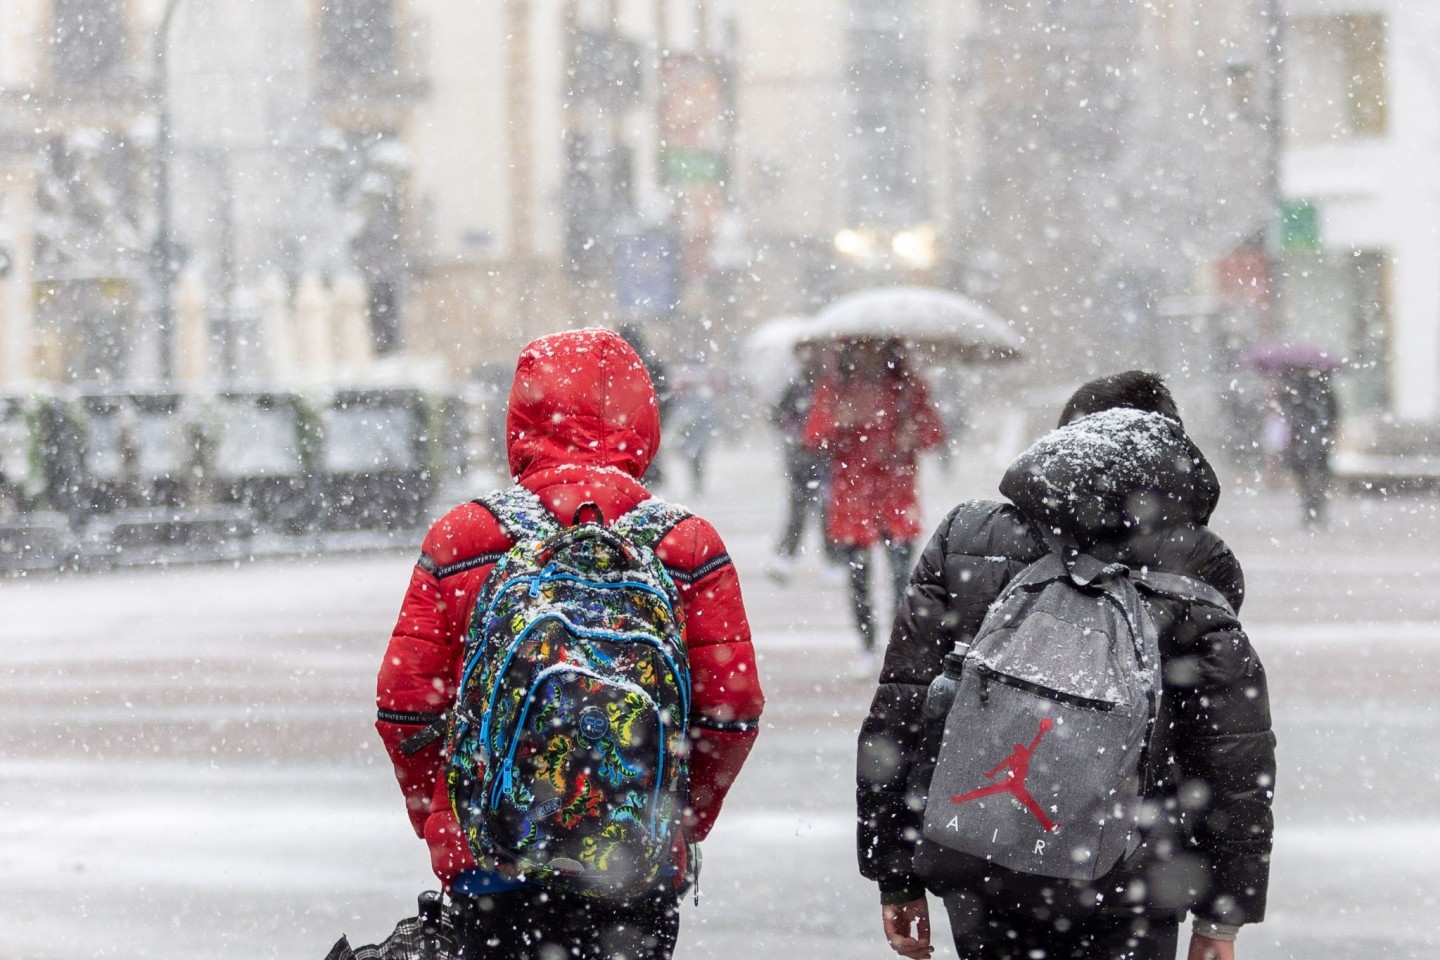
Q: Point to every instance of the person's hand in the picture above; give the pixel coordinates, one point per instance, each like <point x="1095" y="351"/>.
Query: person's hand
<point x="899" y="919"/>
<point x="1204" y="948"/>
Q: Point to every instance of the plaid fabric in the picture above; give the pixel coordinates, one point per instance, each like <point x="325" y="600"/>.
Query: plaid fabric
<point x="408" y="942"/>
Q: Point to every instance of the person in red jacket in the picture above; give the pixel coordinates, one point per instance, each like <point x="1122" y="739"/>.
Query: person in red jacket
<point x="873" y="416"/>
<point x="582" y="427"/>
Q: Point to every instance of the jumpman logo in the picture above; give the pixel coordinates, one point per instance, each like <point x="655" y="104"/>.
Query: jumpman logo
<point x="1017" y="768"/>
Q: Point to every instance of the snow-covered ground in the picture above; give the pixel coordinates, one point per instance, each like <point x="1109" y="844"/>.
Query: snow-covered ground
<point x="188" y="767"/>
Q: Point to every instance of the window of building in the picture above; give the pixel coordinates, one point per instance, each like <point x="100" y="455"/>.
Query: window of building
<point x="88" y="42"/>
<point x="1335" y="78"/>
<point x="1340" y="300"/>
<point x="384" y="297"/>
<point x="357" y="40"/>
<point x="886" y="71"/>
<point x="9" y="44"/>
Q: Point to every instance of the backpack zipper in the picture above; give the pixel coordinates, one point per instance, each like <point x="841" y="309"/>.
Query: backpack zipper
<point x="682" y="678"/>
<point x="989" y="673"/>
<point x="547" y="575"/>
<point x="507" y="771"/>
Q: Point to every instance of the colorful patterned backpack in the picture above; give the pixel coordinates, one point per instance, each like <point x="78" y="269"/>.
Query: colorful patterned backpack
<point x="566" y="749"/>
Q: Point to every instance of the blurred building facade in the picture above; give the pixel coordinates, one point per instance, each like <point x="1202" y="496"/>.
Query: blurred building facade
<point x="1116" y="149"/>
<point x="1362" y="98"/>
<point x="321" y="185"/>
<point x="187" y="186"/>
<point x="1071" y="165"/>
<point x="689" y="166"/>
<point x="574" y="162"/>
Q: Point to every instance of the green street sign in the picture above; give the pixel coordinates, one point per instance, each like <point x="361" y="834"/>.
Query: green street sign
<point x="1299" y="227"/>
<point x="679" y="165"/>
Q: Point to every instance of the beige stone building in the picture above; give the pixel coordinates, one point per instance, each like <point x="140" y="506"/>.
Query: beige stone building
<point x="686" y="165"/>
<point x="1074" y="170"/>
<point x="483" y="172"/>
<point x="177" y="173"/>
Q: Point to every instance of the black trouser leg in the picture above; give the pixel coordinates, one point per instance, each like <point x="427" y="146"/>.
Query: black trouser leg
<point x="901" y="555"/>
<point x="1048" y="934"/>
<point x="817" y="502"/>
<point x="534" y="924"/>
<point x="1313" y="482"/>
<point x="857" y="559"/>
<point x="697" y="473"/>
<point x="1127" y="938"/>
<point x="799" y="506"/>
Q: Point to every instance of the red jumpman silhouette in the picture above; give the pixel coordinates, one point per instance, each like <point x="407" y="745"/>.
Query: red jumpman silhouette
<point x="1017" y="768"/>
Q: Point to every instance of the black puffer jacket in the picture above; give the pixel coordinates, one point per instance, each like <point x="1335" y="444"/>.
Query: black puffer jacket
<point x="1129" y="487"/>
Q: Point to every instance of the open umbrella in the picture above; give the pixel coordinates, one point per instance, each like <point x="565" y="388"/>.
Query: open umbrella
<point x="932" y="321"/>
<point x="1277" y="356"/>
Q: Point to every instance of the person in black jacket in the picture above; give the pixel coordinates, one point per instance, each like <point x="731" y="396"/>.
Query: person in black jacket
<point x="1210" y="777"/>
<point x="1312" y="414"/>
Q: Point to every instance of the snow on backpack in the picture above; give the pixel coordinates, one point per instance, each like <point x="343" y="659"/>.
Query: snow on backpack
<point x="1041" y="766"/>
<point x="566" y="749"/>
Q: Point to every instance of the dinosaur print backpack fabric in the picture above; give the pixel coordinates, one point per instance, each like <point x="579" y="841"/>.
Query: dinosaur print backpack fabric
<point x="567" y="747"/>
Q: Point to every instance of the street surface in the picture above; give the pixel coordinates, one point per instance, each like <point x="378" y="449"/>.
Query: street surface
<point x="188" y="767"/>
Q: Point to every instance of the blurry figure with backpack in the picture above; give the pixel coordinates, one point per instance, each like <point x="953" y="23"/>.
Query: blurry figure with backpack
<point x="1070" y="743"/>
<point x="872" y="418"/>
<point x="807" y="470"/>
<point x="570" y="688"/>
<point x="1312" y="414"/>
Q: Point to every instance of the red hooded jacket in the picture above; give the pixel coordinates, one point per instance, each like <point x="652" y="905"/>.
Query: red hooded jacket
<point x="873" y="430"/>
<point x="583" y="425"/>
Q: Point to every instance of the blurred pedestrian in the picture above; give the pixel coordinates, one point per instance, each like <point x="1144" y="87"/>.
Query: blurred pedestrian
<point x="659" y="376"/>
<point x="951" y="402"/>
<point x="873" y="417"/>
<point x="1119" y="483"/>
<point x="582" y="426"/>
<point x="807" y="470"/>
<point x="1312" y="413"/>
<point x="693" y="419"/>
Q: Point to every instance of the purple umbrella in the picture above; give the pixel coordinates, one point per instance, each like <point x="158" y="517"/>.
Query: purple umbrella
<point x="1277" y="356"/>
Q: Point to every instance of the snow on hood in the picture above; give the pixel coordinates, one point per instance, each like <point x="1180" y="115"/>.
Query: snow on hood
<point x="1113" y="473"/>
<point x="581" y="397"/>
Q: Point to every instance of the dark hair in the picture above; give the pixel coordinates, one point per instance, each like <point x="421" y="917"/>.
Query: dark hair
<point x="1135" y="389"/>
<point x="897" y="364"/>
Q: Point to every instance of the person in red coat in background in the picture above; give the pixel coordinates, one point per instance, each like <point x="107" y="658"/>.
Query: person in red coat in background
<point x="873" y="416"/>
<point x="583" y="424"/>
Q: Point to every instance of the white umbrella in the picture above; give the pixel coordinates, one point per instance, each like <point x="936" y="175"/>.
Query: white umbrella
<point x="768" y="355"/>
<point x="930" y="320"/>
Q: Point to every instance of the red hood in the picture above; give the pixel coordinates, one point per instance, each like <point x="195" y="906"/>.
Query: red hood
<point x="581" y="397"/>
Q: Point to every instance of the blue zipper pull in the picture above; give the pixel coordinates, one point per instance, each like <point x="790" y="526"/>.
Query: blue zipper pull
<point x="547" y="574"/>
<point x="502" y="782"/>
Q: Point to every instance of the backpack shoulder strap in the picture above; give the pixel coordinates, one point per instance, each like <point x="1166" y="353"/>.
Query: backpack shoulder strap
<point x="520" y="513"/>
<point x="1182" y="587"/>
<point x="649" y="522"/>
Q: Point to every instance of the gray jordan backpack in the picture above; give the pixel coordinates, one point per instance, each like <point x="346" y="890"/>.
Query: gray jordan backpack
<point x="1042" y="761"/>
